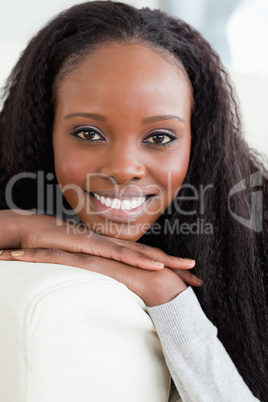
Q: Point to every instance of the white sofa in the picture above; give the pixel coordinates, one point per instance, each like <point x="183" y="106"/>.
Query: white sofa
<point x="70" y="335"/>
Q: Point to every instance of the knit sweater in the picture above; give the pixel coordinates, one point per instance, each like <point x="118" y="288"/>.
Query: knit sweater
<point x="200" y="366"/>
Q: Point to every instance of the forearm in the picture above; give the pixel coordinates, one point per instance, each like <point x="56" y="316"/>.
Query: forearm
<point x="26" y="229"/>
<point x="200" y="366"/>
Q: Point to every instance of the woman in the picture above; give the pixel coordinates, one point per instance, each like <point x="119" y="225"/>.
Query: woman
<point x="134" y="114"/>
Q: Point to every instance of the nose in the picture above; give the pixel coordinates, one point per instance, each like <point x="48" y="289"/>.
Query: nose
<point x="122" y="164"/>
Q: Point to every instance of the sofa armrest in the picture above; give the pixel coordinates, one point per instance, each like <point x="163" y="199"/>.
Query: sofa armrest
<point x="69" y="334"/>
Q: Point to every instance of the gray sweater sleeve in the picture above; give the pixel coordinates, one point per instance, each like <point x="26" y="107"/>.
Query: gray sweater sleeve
<point x="198" y="363"/>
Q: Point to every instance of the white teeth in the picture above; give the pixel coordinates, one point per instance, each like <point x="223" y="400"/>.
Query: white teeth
<point x="141" y="201"/>
<point x="115" y="203"/>
<point x="133" y="204"/>
<point x="108" y="202"/>
<point x="126" y="205"/>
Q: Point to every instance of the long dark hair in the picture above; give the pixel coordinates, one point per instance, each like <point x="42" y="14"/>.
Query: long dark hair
<point x="232" y="259"/>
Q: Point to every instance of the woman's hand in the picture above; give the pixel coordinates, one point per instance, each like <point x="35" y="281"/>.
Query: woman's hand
<point x="154" y="287"/>
<point x="22" y="229"/>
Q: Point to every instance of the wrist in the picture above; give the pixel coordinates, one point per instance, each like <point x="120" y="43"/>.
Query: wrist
<point x="163" y="287"/>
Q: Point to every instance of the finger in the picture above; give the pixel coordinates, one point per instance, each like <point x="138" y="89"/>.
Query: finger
<point x="189" y="278"/>
<point x="5" y="255"/>
<point x="89" y="242"/>
<point x="80" y="260"/>
<point x="138" y="255"/>
<point x="156" y="254"/>
<point x="129" y="252"/>
<point x="86" y="241"/>
<point x="50" y="255"/>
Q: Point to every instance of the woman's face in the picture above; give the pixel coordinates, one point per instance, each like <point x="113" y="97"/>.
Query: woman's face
<point x="122" y="138"/>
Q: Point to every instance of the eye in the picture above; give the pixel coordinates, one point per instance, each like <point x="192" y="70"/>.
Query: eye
<point x="160" y="138"/>
<point x="87" y="134"/>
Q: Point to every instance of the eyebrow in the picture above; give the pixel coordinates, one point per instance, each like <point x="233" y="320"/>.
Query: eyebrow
<point x="94" y="116"/>
<point x="146" y="120"/>
<point x="162" y="117"/>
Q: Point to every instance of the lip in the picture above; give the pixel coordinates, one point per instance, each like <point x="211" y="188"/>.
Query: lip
<point x="119" y="215"/>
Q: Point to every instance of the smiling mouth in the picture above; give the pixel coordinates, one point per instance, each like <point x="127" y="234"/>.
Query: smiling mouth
<point x="128" y="207"/>
<point x="126" y="204"/>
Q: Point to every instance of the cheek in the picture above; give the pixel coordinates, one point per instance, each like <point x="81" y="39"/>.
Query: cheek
<point x="71" y="164"/>
<point x="173" y="171"/>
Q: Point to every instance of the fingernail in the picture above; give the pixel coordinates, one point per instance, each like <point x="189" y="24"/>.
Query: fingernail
<point x="187" y="260"/>
<point x="1" y="251"/>
<point x="159" y="264"/>
<point x="197" y="279"/>
<point x="17" y="253"/>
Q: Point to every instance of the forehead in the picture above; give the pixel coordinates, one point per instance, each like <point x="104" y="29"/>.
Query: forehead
<point x="120" y="69"/>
